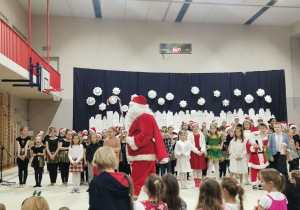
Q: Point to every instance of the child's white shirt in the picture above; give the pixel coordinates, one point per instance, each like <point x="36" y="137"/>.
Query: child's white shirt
<point x="75" y="152"/>
<point x="266" y="202"/>
<point x="138" y="205"/>
<point x="233" y="206"/>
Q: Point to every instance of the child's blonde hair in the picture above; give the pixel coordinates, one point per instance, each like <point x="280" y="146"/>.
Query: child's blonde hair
<point x="35" y="203"/>
<point x="272" y="175"/>
<point x="23" y="128"/>
<point x="2" y="206"/>
<point x="234" y="189"/>
<point x="52" y="129"/>
<point x="37" y="137"/>
<point x="90" y="137"/>
<point x="72" y="141"/>
<point x="210" y="195"/>
<point x="104" y="158"/>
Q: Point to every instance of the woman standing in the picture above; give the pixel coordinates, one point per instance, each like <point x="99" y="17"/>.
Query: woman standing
<point x="114" y="143"/>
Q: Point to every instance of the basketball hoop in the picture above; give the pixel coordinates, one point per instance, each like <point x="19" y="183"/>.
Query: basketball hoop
<point x="50" y="91"/>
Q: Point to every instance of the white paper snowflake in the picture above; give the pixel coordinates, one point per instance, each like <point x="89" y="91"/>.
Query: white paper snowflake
<point x="260" y="92"/>
<point x="113" y="100"/>
<point x="195" y="90"/>
<point x="90" y="101"/>
<point x="97" y="91"/>
<point x="116" y="91"/>
<point x="102" y="106"/>
<point x="161" y="101"/>
<point x="237" y="92"/>
<point x="152" y="94"/>
<point x="217" y="93"/>
<point x="124" y="108"/>
<point x="225" y="102"/>
<point x="183" y="104"/>
<point x="249" y="99"/>
<point x="134" y="95"/>
<point x="268" y="99"/>
<point x="169" y="96"/>
<point x="201" y="101"/>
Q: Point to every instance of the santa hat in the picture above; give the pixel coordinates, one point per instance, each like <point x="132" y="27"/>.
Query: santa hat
<point x="99" y="134"/>
<point x="174" y="135"/>
<point x="84" y="136"/>
<point x="247" y="119"/>
<point x="190" y="121"/>
<point x="254" y="131"/>
<point x="40" y="133"/>
<point x="292" y="125"/>
<point x="194" y="123"/>
<point x="227" y="128"/>
<point x="140" y="101"/>
<point x="224" y="120"/>
<point x="61" y="130"/>
<point x="84" y="131"/>
<point x="283" y="123"/>
<point x="204" y="123"/>
<point x="236" y="117"/>
<point x="260" y="118"/>
<point x="93" y="129"/>
<point x="214" y="122"/>
<point x="73" y="131"/>
<point x="183" y="122"/>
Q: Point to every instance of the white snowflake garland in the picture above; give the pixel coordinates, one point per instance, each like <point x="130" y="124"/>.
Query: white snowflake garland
<point x="217" y="93"/>
<point x="102" y="106"/>
<point x="260" y="92"/>
<point x="113" y="100"/>
<point x="225" y="102"/>
<point x="249" y="99"/>
<point x="169" y="96"/>
<point x="152" y="94"/>
<point x="116" y="91"/>
<point x="237" y="92"/>
<point x="97" y="91"/>
<point x="195" y="90"/>
<point x="268" y="99"/>
<point x="161" y="101"/>
<point x="124" y="108"/>
<point x="90" y="101"/>
<point x="183" y="104"/>
<point x="201" y="101"/>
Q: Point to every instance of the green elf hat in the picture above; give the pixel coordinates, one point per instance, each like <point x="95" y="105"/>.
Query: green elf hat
<point x="212" y="125"/>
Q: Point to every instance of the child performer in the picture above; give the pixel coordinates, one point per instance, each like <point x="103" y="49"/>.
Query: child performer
<point x="273" y="182"/>
<point x="23" y="155"/>
<point x="238" y="163"/>
<point x="183" y="154"/>
<point x="294" y="153"/>
<point x="247" y="135"/>
<point x="197" y="142"/>
<point x="114" y="143"/>
<point x="258" y="159"/>
<point x="205" y="132"/>
<point x="225" y="157"/>
<point x="52" y="155"/>
<point x="154" y="187"/>
<point x="230" y="189"/>
<point x="38" y="162"/>
<point x="214" y="143"/>
<point x="275" y="140"/>
<point x="90" y="151"/>
<point x="75" y="157"/>
<point x="108" y="190"/>
<point x="265" y="138"/>
<point x="64" y="163"/>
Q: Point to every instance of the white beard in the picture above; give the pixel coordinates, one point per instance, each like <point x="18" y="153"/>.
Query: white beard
<point x="134" y="112"/>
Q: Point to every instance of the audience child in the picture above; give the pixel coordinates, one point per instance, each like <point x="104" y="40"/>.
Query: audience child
<point x="64" y="162"/>
<point x="273" y="182"/>
<point x="210" y="196"/>
<point x="154" y="188"/>
<point x="109" y="190"/>
<point x="183" y="154"/>
<point x="114" y="143"/>
<point x="275" y="141"/>
<point x="292" y="187"/>
<point x="90" y="151"/>
<point x="23" y="155"/>
<point x="2" y="206"/>
<point x="230" y="189"/>
<point x="224" y="162"/>
<point x="171" y="193"/>
<point x="75" y="157"/>
<point x="198" y="148"/>
<point x="214" y="144"/>
<point x="238" y="162"/>
<point x="38" y="161"/>
<point x="35" y="203"/>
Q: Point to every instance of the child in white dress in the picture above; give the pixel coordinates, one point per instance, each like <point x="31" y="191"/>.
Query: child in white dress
<point x="238" y="163"/>
<point x="183" y="154"/>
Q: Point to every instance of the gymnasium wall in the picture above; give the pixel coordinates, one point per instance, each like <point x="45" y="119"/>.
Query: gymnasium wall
<point x="134" y="45"/>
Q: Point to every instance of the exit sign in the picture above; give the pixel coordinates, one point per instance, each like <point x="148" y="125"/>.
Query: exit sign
<point x="175" y="48"/>
<point x="45" y="48"/>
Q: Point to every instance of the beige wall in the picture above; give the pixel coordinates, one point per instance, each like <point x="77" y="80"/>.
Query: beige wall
<point x="15" y="14"/>
<point x="134" y="45"/>
<point x="295" y="29"/>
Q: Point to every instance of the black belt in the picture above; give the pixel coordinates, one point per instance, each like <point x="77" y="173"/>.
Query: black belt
<point x="254" y="153"/>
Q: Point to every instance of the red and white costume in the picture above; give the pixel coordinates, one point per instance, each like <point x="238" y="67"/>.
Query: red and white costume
<point x="145" y="145"/>
<point x="258" y="159"/>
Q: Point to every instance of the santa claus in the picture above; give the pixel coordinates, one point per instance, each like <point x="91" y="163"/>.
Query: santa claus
<point x="258" y="159"/>
<point x="145" y="145"/>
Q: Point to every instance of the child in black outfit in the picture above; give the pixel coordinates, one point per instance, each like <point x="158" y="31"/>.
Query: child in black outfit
<point x="38" y="162"/>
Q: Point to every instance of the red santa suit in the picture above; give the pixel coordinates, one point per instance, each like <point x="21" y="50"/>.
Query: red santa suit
<point x="145" y="145"/>
<point x="258" y="159"/>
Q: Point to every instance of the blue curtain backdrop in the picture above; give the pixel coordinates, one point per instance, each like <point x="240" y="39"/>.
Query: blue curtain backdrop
<point x="85" y="80"/>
